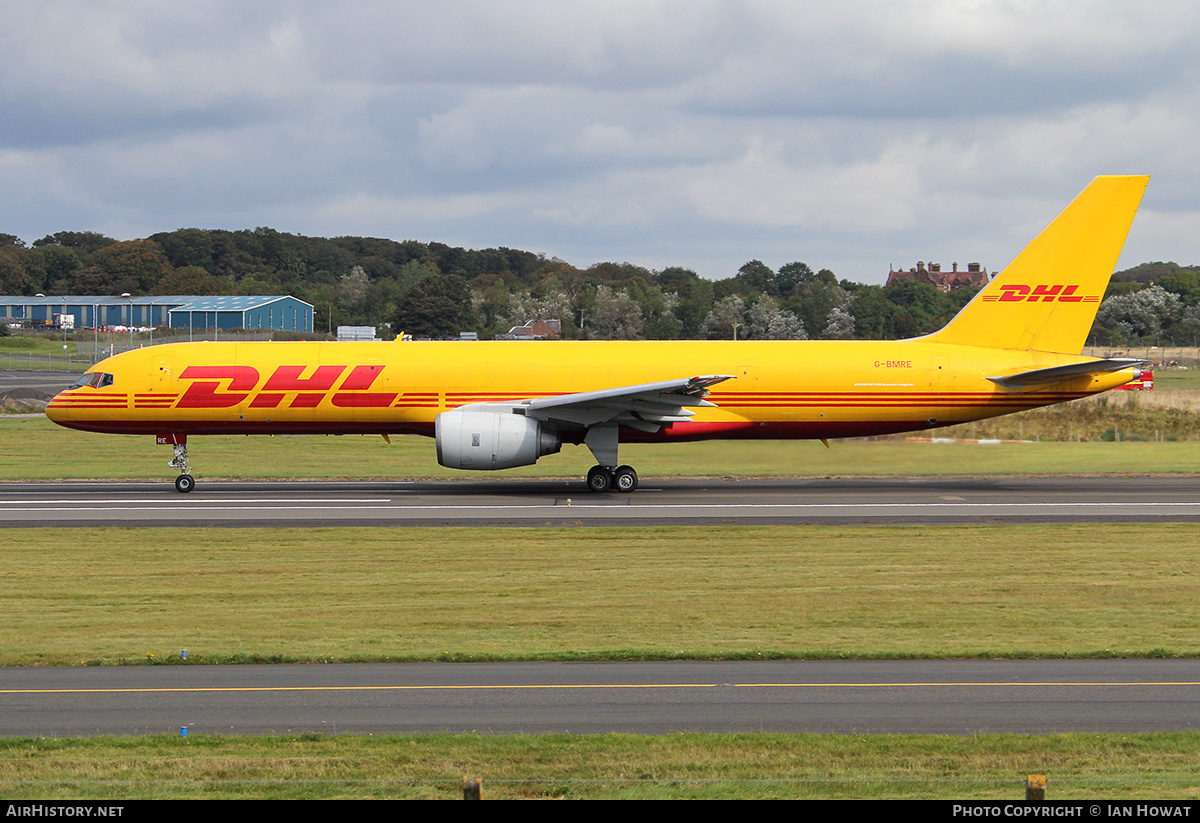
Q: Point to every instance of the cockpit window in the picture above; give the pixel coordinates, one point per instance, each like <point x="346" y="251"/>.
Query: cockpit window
<point x="95" y="379"/>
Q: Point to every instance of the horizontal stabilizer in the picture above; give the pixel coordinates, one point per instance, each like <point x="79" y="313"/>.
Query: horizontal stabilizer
<point x="1057" y="374"/>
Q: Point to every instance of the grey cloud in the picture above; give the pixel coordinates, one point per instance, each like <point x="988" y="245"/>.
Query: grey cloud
<point x="691" y="133"/>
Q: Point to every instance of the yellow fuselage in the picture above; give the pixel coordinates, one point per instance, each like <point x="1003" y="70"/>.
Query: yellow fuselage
<point x="782" y="389"/>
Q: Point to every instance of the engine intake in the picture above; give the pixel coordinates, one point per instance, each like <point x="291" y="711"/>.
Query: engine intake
<point x="491" y="439"/>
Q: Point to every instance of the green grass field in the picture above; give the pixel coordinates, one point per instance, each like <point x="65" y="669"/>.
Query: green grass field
<point x="578" y="767"/>
<point x="36" y="449"/>
<point x="140" y="595"/>
<point x="1177" y="379"/>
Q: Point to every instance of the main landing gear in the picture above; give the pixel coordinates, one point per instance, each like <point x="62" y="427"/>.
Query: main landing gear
<point x="605" y="479"/>
<point x="184" y="483"/>
<point x="602" y="442"/>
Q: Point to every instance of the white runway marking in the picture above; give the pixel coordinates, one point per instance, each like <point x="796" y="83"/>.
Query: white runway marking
<point x="257" y="505"/>
<point x="152" y="502"/>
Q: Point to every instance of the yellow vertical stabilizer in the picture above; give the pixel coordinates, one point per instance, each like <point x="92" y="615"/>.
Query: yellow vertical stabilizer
<point x="1046" y="300"/>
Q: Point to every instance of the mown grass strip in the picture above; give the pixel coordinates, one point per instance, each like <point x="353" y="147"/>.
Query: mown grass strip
<point x="36" y="449"/>
<point x="693" y="766"/>
<point x="128" y="595"/>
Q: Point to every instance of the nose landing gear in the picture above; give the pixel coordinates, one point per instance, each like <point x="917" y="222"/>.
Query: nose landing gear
<point x="184" y="483"/>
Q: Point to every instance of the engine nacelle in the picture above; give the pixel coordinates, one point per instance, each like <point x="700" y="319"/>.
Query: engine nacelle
<point x="473" y="438"/>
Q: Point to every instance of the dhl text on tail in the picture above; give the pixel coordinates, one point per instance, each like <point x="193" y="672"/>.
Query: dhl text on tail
<point x="496" y="405"/>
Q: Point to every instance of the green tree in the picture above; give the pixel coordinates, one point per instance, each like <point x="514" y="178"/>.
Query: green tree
<point x="352" y="292"/>
<point x="193" y="280"/>
<point x="133" y="266"/>
<point x="694" y="298"/>
<point x="85" y="243"/>
<point x="766" y="321"/>
<point x="615" y="316"/>
<point x="756" y="278"/>
<point x="872" y="313"/>
<point x="813" y="301"/>
<point x="922" y="304"/>
<point x="840" y="325"/>
<point x="438" y="306"/>
<point x="1185" y="283"/>
<point x="412" y="273"/>
<point x="793" y="276"/>
<point x="279" y="251"/>
<point x="726" y="320"/>
<point x="55" y="264"/>
<point x="382" y="301"/>
<point x="1135" y="317"/>
<point x="187" y="247"/>
<point x="14" y="279"/>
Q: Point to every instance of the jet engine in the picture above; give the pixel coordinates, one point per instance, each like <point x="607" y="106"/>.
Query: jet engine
<point x="474" y="438"/>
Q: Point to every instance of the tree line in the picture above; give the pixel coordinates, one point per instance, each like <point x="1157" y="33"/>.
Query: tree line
<point x="435" y="290"/>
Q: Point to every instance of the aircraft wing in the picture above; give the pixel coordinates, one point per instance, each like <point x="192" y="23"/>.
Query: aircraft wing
<point x="645" y="407"/>
<point x="1057" y="374"/>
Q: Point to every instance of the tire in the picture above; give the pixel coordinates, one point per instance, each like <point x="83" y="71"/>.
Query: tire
<point x="599" y="479"/>
<point x="184" y="483"/>
<point x="625" y="479"/>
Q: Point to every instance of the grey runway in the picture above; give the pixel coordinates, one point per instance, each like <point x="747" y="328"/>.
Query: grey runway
<point x="517" y="502"/>
<point x="944" y="697"/>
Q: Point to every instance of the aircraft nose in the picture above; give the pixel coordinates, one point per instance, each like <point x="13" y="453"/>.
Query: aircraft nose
<point x="55" y="409"/>
<point x="59" y="407"/>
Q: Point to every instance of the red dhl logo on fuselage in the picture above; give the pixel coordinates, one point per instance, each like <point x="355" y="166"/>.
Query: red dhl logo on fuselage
<point x="1017" y="293"/>
<point x="223" y="387"/>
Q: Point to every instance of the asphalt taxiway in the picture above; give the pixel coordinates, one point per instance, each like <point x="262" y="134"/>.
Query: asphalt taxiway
<point x="845" y="697"/>
<point x="34" y="386"/>
<point x="517" y="502"/>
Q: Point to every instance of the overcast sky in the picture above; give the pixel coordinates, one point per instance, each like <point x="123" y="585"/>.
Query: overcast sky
<point x="852" y="136"/>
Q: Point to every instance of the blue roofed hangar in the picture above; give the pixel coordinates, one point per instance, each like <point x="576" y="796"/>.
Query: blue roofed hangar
<point x="272" y="312"/>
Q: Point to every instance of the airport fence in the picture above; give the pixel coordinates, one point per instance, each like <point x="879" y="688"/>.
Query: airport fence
<point x="1160" y="356"/>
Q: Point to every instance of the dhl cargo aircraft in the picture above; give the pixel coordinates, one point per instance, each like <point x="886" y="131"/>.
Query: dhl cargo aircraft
<point x="496" y="405"/>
